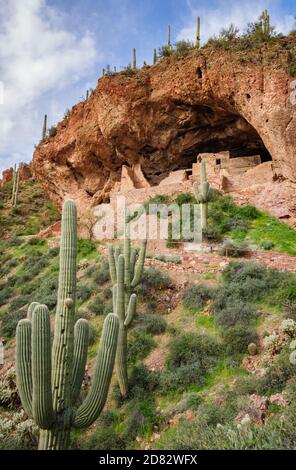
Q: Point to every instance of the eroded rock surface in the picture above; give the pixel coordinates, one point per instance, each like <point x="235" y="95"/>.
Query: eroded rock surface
<point x="164" y="116"/>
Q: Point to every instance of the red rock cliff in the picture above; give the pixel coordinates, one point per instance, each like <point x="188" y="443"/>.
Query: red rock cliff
<point x="164" y="115"/>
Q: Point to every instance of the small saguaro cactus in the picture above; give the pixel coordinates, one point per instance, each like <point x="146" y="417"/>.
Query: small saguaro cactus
<point x="265" y="20"/>
<point x="198" y="32"/>
<point x="134" y="59"/>
<point x="126" y="273"/>
<point x="49" y="379"/>
<point x="44" y="130"/>
<point x="203" y="196"/>
<point x="15" y="188"/>
<point x="169" y="37"/>
<point x="154" y="57"/>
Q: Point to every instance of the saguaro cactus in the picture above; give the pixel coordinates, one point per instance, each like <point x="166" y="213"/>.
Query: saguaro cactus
<point x="134" y="59"/>
<point x="265" y="20"/>
<point x="44" y="130"/>
<point x="48" y="380"/>
<point x="126" y="274"/>
<point x="203" y="196"/>
<point x="169" y="37"/>
<point x="198" y="32"/>
<point x="15" y="188"/>
<point x="154" y="57"/>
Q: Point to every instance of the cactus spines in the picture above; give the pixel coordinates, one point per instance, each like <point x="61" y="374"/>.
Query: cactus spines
<point x="154" y="57"/>
<point x="49" y="379"/>
<point x="198" y="32"/>
<point x="125" y="272"/>
<point x="203" y="196"/>
<point x="44" y="130"/>
<point x="134" y="59"/>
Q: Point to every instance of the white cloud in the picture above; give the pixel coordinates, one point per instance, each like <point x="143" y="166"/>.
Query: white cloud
<point x="240" y="13"/>
<point x="39" y="56"/>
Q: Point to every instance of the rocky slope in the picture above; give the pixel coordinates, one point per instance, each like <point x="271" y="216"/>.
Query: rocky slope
<point x="163" y="116"/>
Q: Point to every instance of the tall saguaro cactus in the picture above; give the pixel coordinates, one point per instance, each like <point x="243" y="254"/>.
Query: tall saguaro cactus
<point x="265" y="19"/>
<point x="203" y="196"/>
<point x="169" y="37"/>
<point x="154" y="57"/>
<point x="134" y="59"/>
<point x="15" y="188"/>
<point x="49" y="379"/>
<point x="44" y="130"/>
<point x="126" y="273"/>
<point x="198" y="32"/>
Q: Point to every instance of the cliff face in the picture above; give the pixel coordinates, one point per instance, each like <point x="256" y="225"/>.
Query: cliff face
<point x="163" y="116"/>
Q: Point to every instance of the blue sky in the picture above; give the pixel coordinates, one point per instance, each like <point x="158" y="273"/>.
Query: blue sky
<point x="55" y="50"/>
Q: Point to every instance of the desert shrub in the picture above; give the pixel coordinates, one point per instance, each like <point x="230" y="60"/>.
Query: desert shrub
<point x="53" y="252"/>
<point x="289" y="309"/>
<point x="86" y="248"/>
<point x="35" y="241"/>
<point x="18" y="432"/>
<point x="139" y="346"/>
<point x="19" y="302"/>
<point x="101" y="273"/>
<point x="238" y="338"/>
<point x="97" y="306"/>
<point x="52" y="131"/>
<point x="180" y="377"/>
<point x="15" y="241"/>
<point x="234" y="223"/>
<point x="150" y="323"/>
<point x="165" y="51"/>
<point x="153" y="278"/>
<point x="212" y="234"/>
<point x="190" y="357"/>
<point x="197" y="435"/>
<point x="292" y="69"/>
<point x="234" y="312"/>
<point x="5" y="294"/>
<point x="9" y="397"/>
<point x="277" y="375"/>
<point x="267" y="245"/>
<point x="189" y="401"/>
<point x="9" y="322"/>
<point x="92" y="335"/>
<point x="182" y="48"/>
<point x="104" y="437"/>
<point x="185" y="198"/>
<point x="196" y="296"/>
<point x="83" y="292"/>
<point x="234" y="249"/>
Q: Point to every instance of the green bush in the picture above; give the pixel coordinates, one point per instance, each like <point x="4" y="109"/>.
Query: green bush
<point x="238" y="338"/>
<point x="9" y="322"/>
<point x="86" y="248"/>
<point x="97" y="306"/>
<point x="92" y="335"/>
<point x="196" y="296"/>
<point x="212" y="234"/>
<point x="150" y="323"/>
<point x="189" y="348"/>
<point x="153" y="278"/>
<point x="139" y="346"/>
<point x="83" y="292"/>
<point x="234" y="313"/>
<point x="5" y="294"/>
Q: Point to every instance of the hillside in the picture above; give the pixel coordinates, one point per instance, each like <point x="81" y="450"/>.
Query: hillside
<point x="193" y="382"/>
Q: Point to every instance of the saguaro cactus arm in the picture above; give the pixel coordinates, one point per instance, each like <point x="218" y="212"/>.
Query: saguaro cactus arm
<point x="112" y="265"/>
<point x="31" y="309"/>
<point x="81" y="334"/>
<point x="140" y="265"/>
<point x="90" y="410"/>
<point x="131" y="310"/>
<point x="24" y="364"/>
<point x="41" y="368"/>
